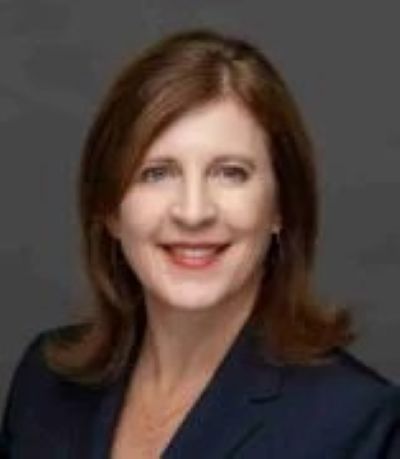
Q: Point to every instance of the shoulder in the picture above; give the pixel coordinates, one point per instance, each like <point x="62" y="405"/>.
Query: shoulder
<point x="342" y="380"/>
<point x="341" y="408"/>
<point x="33" y="382"/>
<point x="41" y="406"/>
<point x="32" y="362"/>
<point x="345" y="402"/>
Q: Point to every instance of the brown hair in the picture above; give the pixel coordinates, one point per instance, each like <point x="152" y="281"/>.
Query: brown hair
<point x="181" y="72"/>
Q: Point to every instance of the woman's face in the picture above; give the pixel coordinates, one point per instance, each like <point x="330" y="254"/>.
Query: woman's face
<point x="206" y="179"/>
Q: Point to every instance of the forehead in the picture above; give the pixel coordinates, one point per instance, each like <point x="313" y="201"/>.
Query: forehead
<point x="222" y="127"/>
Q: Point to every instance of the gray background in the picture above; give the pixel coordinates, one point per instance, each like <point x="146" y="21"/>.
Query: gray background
<point x="341" y="60"/>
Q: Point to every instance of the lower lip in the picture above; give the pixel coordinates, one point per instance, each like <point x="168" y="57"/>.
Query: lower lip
<point x="195" y="263"/>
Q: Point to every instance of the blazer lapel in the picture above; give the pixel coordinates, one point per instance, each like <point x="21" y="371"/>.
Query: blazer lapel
<point x="224" y="417"/>
<point x="93" y="435"/>
<point x="105" y="421"/>
<point x="228" y="412"/>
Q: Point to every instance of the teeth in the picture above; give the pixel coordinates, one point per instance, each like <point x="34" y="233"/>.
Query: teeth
<point x="192" y="252"/>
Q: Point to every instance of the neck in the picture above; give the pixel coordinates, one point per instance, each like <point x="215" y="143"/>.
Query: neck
<point x="183" y="348"/>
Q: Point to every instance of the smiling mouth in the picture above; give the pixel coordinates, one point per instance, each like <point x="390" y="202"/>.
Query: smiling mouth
<point x="194" y="258"/>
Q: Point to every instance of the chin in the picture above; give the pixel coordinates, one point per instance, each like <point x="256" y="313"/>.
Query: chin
<point x="191" y="301"/>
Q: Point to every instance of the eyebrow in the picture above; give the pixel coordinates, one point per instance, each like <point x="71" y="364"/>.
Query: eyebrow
<point x="165" y="159"/>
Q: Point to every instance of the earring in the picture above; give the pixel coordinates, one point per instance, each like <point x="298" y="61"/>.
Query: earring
<point x="276" y="237"/>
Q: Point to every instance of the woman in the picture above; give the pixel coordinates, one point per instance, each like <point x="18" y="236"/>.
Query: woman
<point x="198" y="206"/>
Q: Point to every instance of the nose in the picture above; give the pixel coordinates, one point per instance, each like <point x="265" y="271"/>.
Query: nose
<point x="193" y="205"/>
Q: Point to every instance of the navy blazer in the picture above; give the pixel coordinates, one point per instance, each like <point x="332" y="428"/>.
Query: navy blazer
<point x="251" y="409"/>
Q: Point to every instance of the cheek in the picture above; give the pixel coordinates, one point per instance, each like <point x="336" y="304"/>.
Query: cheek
<point x="251" y="218"/>
<point x="138" y="217"/>
<point x="138" y="225"/>
<point x="251" y="211"/>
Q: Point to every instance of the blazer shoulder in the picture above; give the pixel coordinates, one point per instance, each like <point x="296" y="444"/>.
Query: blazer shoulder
<point x="32" y="357"/>
<point x="343" y="380"/>
<point x="349" y="406"/>
<point x="31" y="374"/>
<point x="353" y="367"/>
<point x="37" y="397"/>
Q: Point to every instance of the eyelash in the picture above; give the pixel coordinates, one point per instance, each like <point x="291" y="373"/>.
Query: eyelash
<point x="238" y="172"/>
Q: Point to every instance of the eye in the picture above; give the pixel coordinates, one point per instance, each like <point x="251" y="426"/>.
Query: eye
<point x="152" y="174"/>
<point x="157" y="173"/>
<point x="236" y="173"/>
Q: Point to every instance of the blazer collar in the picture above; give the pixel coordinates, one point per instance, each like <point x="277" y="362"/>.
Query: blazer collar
<point x="225" y="415"/>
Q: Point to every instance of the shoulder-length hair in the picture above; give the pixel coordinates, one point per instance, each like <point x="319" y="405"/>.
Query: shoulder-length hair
<point x="178" y="73"/>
